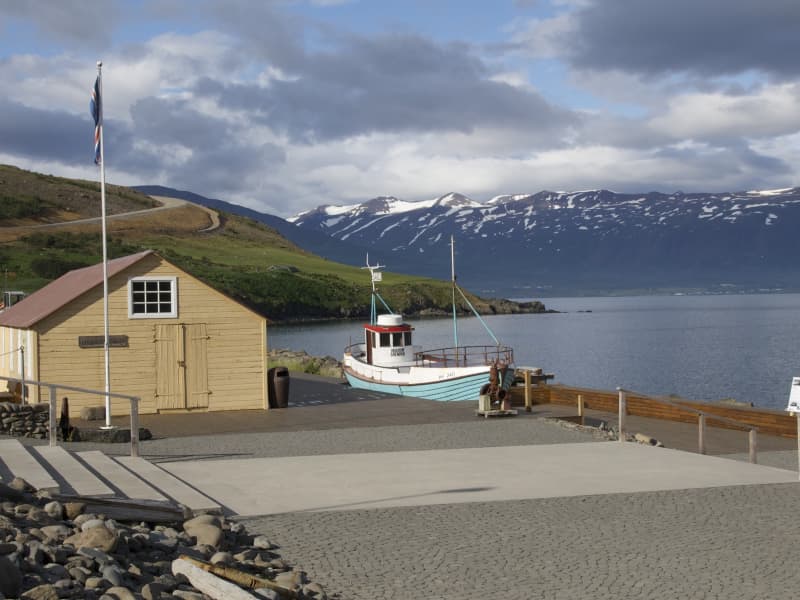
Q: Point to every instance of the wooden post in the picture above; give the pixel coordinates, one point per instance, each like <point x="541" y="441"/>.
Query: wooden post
<point x="134" y="427"/>
<point x="701" y="433"/>
<point x="623" y="409"/>
<point x="52" y="421"/>
<point x="528" y="399"/>
<point x="580" y="405"/>
<point x="753" y="446"/>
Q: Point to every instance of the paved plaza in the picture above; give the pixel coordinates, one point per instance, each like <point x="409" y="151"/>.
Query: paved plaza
<point x="387" y="498"/>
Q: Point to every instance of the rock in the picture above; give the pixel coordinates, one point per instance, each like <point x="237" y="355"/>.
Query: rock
<point x="120" y="593"/>
<point x="291" y="580"/>
<point x="82" y="518"/>
<point x="202" y="519"/>
<point x="10" y="578"/>
<point x="314" y="590"/>
<point x="56" y="532"/>
<point x="152" y="591"/>
<point x="8" y="548"/>
<point x="188" y="595"/>
<point x="41" y="592"/>
<point x="91" y="524"/>
<point x="53" y="572"/>
<point x="206" y="534"/>
<point x="10" y="493"/>
<point x="95" y="554"/>
<point x="113" y="574"/>
<point x="644" y="439"/>
<point x="54" y="509"/>
<point x="221" y="558"/>
<point x="267" y="593"/>
<point x="93" y="583"/>
<point x="73" y="509"/>
<point x="79" y="574"/>
<point x="97" y="537"/>
<point x="19" y="484"/>
<point x="262" y="543"/>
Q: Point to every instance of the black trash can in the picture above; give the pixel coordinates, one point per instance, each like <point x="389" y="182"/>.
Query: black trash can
<point x="278" y="387"/>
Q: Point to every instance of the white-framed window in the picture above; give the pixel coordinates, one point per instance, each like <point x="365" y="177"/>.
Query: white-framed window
<point x="152" y="297"/>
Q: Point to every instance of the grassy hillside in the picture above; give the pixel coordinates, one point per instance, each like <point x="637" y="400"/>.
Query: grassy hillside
<point x="240" y="257"/>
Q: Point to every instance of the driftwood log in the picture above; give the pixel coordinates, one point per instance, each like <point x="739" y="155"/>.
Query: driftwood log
<point x="239" y="577"/>
<point x="211" y="585"/>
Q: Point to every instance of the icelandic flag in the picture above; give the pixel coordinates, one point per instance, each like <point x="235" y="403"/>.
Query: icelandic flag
<point x="95" y="109"/>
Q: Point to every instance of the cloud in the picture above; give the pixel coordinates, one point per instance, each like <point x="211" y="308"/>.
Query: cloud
<point x="87" y="22"/>
<point x="37" y="133"/>
<point x="770" y="111"/>
<point x="397" y="83"/>
<point x="710" y="37"/>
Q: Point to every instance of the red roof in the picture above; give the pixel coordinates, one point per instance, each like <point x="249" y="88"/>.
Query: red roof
<point x="44" y="302"/>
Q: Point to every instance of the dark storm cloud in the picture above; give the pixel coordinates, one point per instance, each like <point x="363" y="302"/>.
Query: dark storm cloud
<point x="43" y="134"/>
<point x="175" y="122"/>
<point x="264" y="32"/>
<point x="707" y="37"/>
<point x="390" y="84"/>
<point x="88" y="22"/>
<point x="218" y="159"/>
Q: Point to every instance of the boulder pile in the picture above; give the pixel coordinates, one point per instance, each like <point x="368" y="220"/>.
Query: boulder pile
<point x="24" y="420"/>
<point x="51" y="549"/>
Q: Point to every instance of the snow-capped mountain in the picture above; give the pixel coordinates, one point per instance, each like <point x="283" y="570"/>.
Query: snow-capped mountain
<point x="581" y="241"/>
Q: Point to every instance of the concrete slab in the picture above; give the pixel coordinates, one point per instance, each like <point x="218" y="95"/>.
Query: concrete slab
<point x="75" y="475"/>
<point x="121" y="478"/>
<point x="21" y="463"/>
<point x="169" y="484"/>
<point x="262" y="486"/>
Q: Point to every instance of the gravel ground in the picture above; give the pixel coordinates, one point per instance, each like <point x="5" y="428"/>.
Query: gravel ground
<point x="479" y="433"/>
<point x="717" y="543"/>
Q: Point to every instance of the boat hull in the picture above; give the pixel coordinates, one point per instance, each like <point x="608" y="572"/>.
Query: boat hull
<point x="466" y="387"/>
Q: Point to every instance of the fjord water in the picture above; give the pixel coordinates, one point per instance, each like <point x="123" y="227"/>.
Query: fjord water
<point x="745" y="347"/>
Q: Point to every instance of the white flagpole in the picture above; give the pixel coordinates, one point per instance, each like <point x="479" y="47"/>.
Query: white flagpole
<point x="106" y="347"/>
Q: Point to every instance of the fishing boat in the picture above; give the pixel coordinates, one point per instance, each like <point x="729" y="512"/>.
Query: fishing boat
<point x="387" y="360"/>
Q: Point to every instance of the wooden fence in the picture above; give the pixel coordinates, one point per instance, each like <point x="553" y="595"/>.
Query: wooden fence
<point x="770" y="422"/>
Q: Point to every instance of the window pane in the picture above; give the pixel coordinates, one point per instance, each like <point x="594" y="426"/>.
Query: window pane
<point x="397" y="339"/>
<point x="384" y="340"/>
<point x="407" y="335"/>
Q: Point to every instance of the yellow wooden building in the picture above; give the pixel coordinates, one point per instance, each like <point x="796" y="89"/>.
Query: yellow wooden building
<point x="175" y="342"/>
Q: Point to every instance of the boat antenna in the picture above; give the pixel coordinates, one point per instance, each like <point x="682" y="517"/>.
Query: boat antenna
<point x="375" y="276"/>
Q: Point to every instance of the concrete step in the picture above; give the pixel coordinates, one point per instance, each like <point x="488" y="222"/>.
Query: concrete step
<point x="170" y="485"/>
<point x="73" y="476"/>
<point x="128" y="484"/>
<point x="19" y="462"/>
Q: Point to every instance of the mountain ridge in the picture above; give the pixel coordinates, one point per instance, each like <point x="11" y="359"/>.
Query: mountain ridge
<point x="593" y="240"/>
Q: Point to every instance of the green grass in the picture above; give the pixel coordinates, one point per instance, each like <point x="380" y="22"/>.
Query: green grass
<point x="238" y="258"/>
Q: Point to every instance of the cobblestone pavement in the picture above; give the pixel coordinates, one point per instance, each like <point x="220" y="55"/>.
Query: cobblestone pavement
<point x="718" y="543"/>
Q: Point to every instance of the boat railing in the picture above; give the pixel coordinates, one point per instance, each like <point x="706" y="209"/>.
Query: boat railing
<point x="464" y="356"/>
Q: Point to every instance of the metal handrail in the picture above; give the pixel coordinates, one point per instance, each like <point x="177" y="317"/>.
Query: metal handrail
<point x="701" y="421"/>
<point x="54" y="387"/>
<point x="463" y="354"/>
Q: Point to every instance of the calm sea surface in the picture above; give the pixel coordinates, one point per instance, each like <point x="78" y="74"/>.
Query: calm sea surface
<point x="698" y="347"/>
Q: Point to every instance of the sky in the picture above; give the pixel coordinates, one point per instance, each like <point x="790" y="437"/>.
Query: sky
<point x="285" y="105"/>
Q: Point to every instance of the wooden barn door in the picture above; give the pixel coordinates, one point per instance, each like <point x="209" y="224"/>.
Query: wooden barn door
<point x="196" y="361"/>
<point x="181" y="366"/>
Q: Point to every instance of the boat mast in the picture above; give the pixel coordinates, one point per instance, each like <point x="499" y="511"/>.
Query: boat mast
<point x="375" y="276"/>
<point x="453" y="279"/>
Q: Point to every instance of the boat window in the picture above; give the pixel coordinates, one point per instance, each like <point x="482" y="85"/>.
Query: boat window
<point x="397" y="339"/>
<point x="407" y="335"/>
<point x="384" y="340"/>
